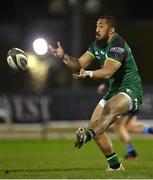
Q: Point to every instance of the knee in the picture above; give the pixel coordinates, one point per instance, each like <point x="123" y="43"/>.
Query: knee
<point x="115" y="126"/>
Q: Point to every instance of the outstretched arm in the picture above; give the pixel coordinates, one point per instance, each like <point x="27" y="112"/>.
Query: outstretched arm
<point x="72" y="62"/>
<point x="109" y="68"/>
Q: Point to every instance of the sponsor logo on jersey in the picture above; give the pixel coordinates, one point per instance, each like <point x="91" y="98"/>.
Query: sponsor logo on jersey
<point x="98" y="57"/>
<point x="117" y="50"/>
<point x="102" y="52"/>
<point x="97" y="54"/>
<point x="129" y="91"/>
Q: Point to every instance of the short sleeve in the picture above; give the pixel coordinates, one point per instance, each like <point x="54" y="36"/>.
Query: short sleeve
<point x="117" y="50"/>
<point x="116" y="53"/>
<point x="91" y="50"/>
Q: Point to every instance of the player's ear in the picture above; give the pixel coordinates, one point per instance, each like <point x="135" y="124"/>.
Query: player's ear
<point x="112" y="30"/>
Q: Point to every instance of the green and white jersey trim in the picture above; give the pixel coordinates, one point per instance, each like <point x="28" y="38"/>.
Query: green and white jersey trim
<point x="88" y="52"/>
<point x="112" y="59"/>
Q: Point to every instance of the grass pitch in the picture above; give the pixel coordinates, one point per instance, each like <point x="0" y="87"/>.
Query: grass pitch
<point x="58" y="160"/>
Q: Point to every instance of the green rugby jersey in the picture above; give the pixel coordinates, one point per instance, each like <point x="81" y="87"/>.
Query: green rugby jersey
<point x="118" y="50"/>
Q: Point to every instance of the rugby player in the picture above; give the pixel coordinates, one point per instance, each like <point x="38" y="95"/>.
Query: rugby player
<point x="119" y="68"/>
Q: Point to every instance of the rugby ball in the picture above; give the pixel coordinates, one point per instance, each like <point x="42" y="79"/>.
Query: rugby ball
<point x="17" y="59"/>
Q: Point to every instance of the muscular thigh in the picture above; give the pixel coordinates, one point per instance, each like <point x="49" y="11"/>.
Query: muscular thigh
<point x="117" y="105"/>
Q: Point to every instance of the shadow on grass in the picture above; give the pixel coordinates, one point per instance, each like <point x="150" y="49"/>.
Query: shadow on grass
<point x="6" y="171"/>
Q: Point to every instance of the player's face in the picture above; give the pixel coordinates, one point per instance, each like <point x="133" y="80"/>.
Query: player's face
<point x="102" y="29"/>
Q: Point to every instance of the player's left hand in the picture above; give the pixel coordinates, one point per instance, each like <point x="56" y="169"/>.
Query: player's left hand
<point x="82" y="74"/>
<point x="58" y="51"/>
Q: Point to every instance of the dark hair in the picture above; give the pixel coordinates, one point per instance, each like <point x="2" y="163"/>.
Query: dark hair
<point x="112" y="22"/>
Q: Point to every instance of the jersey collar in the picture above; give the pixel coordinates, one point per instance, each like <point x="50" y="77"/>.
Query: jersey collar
<point x="115" y="35"/>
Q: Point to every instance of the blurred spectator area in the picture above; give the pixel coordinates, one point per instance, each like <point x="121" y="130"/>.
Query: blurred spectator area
<point x="58" y="104"/>
<point x="72" y="22"/>
<point x="47" y="92"/>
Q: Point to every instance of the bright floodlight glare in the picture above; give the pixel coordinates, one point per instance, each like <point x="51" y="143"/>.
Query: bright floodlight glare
<point x="40" y="46"/>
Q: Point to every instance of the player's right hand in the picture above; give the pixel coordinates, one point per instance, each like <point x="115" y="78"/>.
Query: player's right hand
<point x="82" y="74"/>
<point x="57" y="52"/>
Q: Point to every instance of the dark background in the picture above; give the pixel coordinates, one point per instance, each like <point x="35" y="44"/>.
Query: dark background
<point x="72" y="22"/>
<point x="48" y="91"/>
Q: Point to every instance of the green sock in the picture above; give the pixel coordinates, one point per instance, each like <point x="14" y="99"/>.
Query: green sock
<point x="113" y="160"/>
<point x="90" y="134"/>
